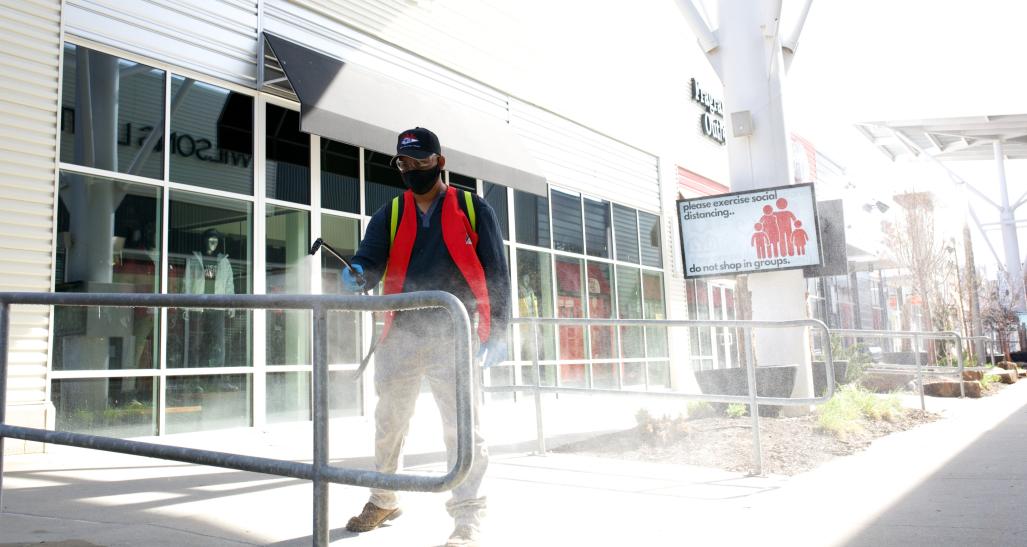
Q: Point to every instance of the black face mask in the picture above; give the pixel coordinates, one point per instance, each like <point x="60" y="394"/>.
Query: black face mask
<point x="421" y="182"/>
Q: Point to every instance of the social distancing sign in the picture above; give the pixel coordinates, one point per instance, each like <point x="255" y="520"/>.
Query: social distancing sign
<point x="764" y="230"/>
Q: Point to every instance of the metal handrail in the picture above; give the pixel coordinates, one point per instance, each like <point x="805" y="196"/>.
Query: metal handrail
<point x="752" y="399"/>
<point x="320" y="472"/>
<point x="919" y="367"/>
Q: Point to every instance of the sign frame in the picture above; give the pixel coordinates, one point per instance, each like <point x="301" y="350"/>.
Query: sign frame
<point x="697" y="275"/>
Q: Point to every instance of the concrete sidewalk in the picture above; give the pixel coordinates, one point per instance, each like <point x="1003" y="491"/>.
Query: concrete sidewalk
<point x="958" y="481"/>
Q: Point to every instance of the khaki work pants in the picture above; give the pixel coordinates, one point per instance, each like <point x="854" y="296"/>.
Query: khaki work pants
<point x="401" y="362"/>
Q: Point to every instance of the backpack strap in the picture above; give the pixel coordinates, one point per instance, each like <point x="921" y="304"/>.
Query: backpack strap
<point x="394" y="217"/>
<point x="469" y="200"/>
<point x="395" y="220"/>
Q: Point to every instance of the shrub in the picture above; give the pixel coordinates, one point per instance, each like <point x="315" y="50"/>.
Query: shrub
<point x="987" y="380"/>
<point x="858" y="356"/>
<point x="737" y="410"/>
<point x="701" y="409"/>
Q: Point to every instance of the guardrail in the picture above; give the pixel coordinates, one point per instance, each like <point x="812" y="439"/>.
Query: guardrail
<point x="319" y="471"/>
<point x="752" y="399"/>
<point x="919" y="367"/>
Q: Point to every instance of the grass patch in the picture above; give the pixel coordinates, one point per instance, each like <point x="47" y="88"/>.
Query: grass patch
<point x="852" y="406"/>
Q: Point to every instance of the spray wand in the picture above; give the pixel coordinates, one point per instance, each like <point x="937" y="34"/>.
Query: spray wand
<point x="361" y="280"/>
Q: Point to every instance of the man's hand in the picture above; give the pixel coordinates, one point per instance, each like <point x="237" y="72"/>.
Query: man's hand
<point x="349" y="281"/>
<point x="492" y="352"/>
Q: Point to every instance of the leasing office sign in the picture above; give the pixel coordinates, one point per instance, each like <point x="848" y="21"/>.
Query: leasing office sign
<point x="745" y="232"/>
<point x="712" y="121"/>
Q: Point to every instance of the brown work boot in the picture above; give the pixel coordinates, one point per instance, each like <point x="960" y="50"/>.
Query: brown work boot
<point x="465" y="535"/>
<point x="371" y="517"/>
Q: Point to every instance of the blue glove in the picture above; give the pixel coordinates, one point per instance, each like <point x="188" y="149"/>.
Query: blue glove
<point x="492" y="352"/>
<point x="349" y="281"/>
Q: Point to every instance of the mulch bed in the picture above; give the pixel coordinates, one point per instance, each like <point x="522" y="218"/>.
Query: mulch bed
<point x="790" y="445"/>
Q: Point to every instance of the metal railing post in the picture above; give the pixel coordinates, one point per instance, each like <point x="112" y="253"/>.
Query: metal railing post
<point x="959" y="357"/>
<point x="919" y="369"/>
<point x="754" y="407"/>
<point x="5" y="320"/>
<point x="538" y="390"/>
<point x="320" y="403"/>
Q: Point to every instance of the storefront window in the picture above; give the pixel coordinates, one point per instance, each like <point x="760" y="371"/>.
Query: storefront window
<point x="340" y="176"/>
<point x="625" y="229"/>
<point x="383" y="181"/>
<point x="112" y="113"/>
<point x="287" y="168"/>
<point x="570" y="302"/>
<point x="286" y="250"/>
<point x="535" y="299"/>
<point x="651" y="248"/>
<point x="495" y="196"/>
<point x="700" y="338"/>
<point x="203" y="403"/>
<point x="209" y="252"/>
<point x="655" y="337"/>
<point x="112" y="407"/>
<point x="603" y="338"/>
<point x="629" y="306"/>
<point x="653" y="308"/>
<point x="463" y="182"/>
<point x="211" y="136"/>
<point x="531" y="218"/>
<point x="598" y="230"/>
<point x="342" y="234"/>
<point x="567" y="225"/>
<point x="288" y="397"/>
<point x="108" y="240"/>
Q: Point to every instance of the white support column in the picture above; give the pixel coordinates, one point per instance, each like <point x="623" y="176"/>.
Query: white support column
<point x="750" y="62"/>
<point x="1010" y="242"/>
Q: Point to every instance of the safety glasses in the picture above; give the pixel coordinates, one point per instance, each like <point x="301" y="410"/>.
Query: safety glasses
<point x="406" y="163"/>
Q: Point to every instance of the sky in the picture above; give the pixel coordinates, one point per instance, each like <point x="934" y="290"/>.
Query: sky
<point x="857" y="61"/>
<point x="880" y="60"/>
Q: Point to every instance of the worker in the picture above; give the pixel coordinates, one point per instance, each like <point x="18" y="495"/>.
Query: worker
<point x="432" y="237"/>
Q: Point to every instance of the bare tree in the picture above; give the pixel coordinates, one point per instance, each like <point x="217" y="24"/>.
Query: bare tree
<point x="913" y="245"/>
<point x="997" y="312"/>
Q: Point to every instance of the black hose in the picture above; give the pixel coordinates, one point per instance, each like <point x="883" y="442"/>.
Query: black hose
<point x="359" y="278"/>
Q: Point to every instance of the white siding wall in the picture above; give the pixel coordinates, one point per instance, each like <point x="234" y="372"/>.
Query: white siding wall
<point x="570" y="155"/>
<point x="29" y="57"/>
<point x="218" y="38"/>
<point x="458" y="36"/>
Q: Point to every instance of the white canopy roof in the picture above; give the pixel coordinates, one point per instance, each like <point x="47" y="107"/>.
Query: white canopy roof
<point x="967" y="138"/>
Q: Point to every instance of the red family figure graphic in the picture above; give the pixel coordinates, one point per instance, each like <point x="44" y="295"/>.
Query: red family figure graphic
<point x="785" y="221"/>
<point x="769" y="223"/>
<point x="799" y="238"/>
<point x="760" y="241"/>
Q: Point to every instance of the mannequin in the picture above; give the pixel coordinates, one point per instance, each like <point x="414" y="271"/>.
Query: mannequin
<point x="208" y="272"/>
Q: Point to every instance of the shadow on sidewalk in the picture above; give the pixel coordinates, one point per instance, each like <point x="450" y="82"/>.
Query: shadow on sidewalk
<point x="977" y="498"/>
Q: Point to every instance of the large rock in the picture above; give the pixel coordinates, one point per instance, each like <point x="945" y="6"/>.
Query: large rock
<point x="973" y="375"/>
<point x="1007" y="365"/>
<point x="1005" y="376"/>
<point x="880" y="382"/>
<point x="950" y="388"/>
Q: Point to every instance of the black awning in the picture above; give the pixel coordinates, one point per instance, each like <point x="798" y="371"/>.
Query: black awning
<point x="350" y="104"/>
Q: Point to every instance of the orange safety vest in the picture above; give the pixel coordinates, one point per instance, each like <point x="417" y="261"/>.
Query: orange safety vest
<point x="461" y="239"/>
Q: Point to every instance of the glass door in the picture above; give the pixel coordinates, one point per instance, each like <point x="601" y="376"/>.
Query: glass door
<point x="727" y="340"/>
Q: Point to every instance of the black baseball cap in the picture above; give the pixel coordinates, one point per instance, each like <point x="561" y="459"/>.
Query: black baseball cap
<point x="417" y="143"/>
